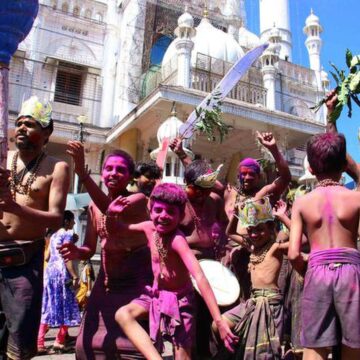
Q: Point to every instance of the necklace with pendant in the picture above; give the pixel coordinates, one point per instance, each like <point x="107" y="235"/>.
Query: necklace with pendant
<point x="16" y="182"/>
<point x="258" y="256"/>
<point x="162" y="251"/>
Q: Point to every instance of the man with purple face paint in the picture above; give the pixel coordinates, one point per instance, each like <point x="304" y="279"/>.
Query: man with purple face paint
<point x="249" y="175"/>
<point x="330" y="217"/>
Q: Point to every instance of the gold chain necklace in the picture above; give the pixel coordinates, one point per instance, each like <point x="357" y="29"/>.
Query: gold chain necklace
<point x="258" y="256"/>
<point x="16" y="185"/>
<point x="162" y="251"/>
<point x="327" y="182"/>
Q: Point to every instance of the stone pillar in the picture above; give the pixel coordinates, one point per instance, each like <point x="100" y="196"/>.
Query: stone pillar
<point x="110" y="55"/>
<point x="129" y="66"/>
<point x="184" y="47"/>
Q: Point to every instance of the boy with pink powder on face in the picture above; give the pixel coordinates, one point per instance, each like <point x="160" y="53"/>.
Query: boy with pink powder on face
<point x="170" y="301"/>
<point x="329" y="215"/>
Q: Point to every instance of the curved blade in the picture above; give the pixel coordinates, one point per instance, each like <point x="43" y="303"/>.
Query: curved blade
<point x="226" y="84"/>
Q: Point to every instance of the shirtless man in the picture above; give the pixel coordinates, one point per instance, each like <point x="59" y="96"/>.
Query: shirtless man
<point x="125" y="262"/>
<point x="34" y="201"/>
<point x="330" y="217"/>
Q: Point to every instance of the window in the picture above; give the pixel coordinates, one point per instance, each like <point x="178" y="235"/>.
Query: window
<point x="68" y="85"/>
<point x="76" y="11"/>
<point x="65" y="7"/>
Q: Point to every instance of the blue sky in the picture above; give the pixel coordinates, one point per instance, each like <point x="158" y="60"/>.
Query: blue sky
<point x="340" y="21"/>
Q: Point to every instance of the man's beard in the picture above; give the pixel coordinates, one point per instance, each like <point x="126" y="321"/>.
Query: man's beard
<point x="25" y="145"/>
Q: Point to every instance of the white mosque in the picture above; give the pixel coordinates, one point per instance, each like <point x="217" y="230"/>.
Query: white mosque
<point x="121" y="64"/>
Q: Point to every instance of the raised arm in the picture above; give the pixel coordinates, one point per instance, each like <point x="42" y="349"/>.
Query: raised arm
<point x="352" y="168"/>
<point x="233" y="235"/>
<point x="281" y="183"/>
<point x="182" y="248"/>
<point x="100" y="199"/>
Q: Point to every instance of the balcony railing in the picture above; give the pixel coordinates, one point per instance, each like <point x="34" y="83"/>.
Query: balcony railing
<point x="205" y="76"/>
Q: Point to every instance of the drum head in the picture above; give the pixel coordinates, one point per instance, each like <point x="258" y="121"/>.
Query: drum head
<point x="223" y="282"/>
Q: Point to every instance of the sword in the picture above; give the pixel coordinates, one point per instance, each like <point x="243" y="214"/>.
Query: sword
<point x="226" y="84"/>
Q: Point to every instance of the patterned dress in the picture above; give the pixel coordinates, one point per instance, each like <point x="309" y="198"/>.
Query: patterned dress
<point x="59" y="305"/>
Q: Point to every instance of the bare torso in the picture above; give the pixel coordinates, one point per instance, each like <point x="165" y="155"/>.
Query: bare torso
<point x="208" y="213"/>
<point x="266" y="274"/>
<point x="12" y="227"/>
<point x="331" y="215"/>
<point x="173" y="275"/>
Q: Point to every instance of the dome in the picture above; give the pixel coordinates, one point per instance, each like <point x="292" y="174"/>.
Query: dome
<point x="186" y="20"/>
<point x="324" y="76"/>
<point x="209" y="41"/>
<point x="312" y="20"/>
<point x="170" y="129"/>
<point x="248" y="39"/>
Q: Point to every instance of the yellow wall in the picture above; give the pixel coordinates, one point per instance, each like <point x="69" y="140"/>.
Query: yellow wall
<point x="128" y="142"/>
<point x="231" y="176"/>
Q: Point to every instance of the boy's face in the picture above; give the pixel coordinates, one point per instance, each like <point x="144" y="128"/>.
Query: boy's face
<point x="249" y="178"/>
<point x="115" y="173"/>
<point x="166" y="217"/>
<point x="260" y="234"/>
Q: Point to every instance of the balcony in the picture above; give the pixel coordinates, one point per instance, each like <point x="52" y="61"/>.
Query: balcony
<point x="205" y="76"/>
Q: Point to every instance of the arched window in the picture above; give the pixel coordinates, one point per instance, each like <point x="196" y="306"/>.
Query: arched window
<point x="158" y="49"/>
<point x="54" y="4"/>
<point x="65" y="7"/>
<point x="76" y="11"/>
<point x="88" y="13"/>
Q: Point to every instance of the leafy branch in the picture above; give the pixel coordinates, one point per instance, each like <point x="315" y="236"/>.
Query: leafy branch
<point x="210" y="121"/>
<point x="347" y="86"/>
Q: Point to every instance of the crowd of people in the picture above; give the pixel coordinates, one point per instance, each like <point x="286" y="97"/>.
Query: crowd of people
<point x="294" y="253"/>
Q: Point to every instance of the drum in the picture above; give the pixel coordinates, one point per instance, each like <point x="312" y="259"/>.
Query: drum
<point x="223" y="282"/>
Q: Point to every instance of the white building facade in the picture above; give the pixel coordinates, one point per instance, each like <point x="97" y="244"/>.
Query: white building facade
<point x="122" y="64"/>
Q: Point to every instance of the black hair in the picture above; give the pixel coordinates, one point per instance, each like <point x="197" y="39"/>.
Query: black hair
<point x="147" y="168"/>
<point x="129" y="160"/>
<point x="196" y="169"/>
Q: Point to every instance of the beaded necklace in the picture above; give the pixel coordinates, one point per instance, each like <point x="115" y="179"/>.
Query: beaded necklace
<point x="16" y="185"/>
<point x="258" y="256"/>
<point x="327" y="182"/>
<point x="162" y="251"/>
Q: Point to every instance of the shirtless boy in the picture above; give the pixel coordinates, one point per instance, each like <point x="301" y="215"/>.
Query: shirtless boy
<point x="170" y="301"/>
<point x="330" y="217"/>
<point x="258" y="322"/>
<point x="34" y="200"/>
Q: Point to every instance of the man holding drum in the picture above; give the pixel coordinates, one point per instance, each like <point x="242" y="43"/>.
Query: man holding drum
<point x="32" y="201"/>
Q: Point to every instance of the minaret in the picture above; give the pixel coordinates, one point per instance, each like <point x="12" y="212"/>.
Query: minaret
<point x="313" y="44"/>
<point x="233" y="13"/>
<point x="184" y="32"/>
<point x="276" y="11"/>
<point x="111" y="53"/>
<point x="269" y="60"/>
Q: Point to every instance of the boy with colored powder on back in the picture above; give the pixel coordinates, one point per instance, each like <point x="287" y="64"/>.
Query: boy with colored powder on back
<point x="330" y="217"/>
<point x="170" y="301"/>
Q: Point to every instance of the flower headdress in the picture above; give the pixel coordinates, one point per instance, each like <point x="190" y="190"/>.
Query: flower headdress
<point x="207" y="181"/>
<point x="38" y="111"/>
<point x="254" y="212"/>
